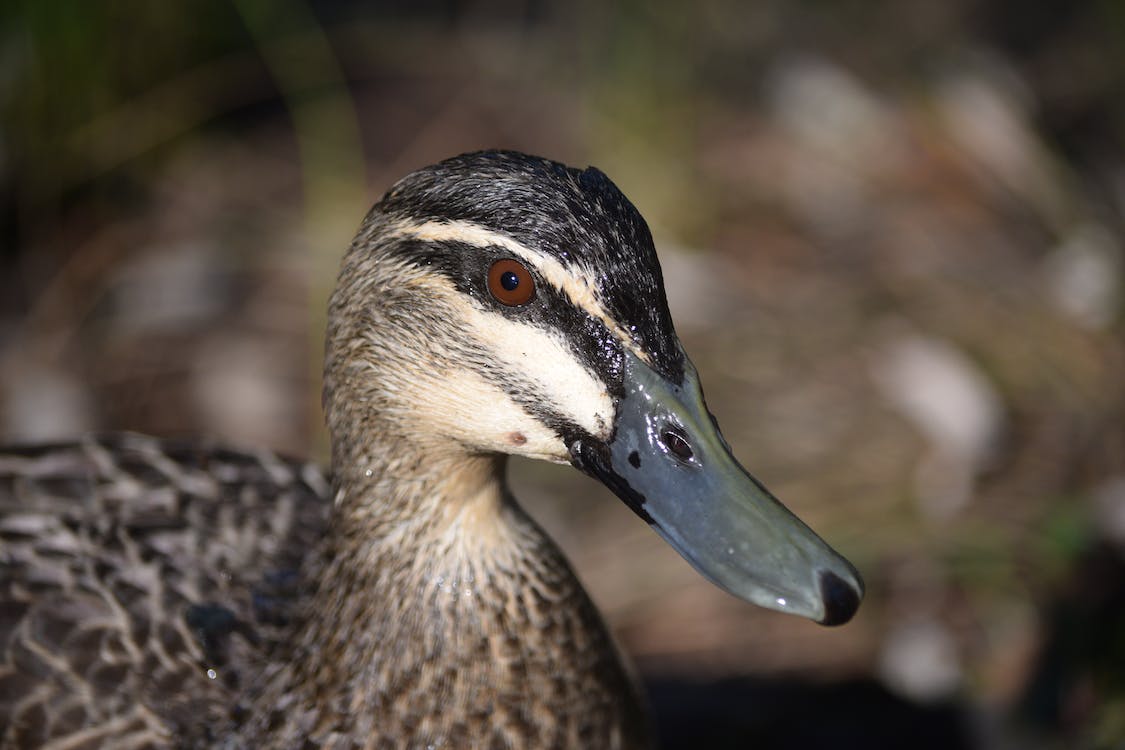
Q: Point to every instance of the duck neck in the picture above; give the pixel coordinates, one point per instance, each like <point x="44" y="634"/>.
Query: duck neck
<point x="443" y="615"/>
<point x="406" y="492"/>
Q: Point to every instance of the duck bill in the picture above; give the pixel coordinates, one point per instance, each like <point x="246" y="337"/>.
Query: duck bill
<point x="668" y="462"/>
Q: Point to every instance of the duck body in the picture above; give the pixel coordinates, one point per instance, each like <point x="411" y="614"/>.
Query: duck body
<point x="140" y="583"/>
<point x="492" y="304"/>
<point x="151" y="589"/>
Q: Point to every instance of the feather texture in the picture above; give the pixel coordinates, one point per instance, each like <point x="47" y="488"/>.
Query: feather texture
<point x="139" y="582"/>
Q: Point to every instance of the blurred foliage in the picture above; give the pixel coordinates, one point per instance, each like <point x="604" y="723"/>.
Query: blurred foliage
<point x="77" y="62"/>
<point x="93" y="87"/>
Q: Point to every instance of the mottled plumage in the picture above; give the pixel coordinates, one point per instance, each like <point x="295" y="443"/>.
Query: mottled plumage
<point x="161" y="595"/>
<point x="129" y="567"/>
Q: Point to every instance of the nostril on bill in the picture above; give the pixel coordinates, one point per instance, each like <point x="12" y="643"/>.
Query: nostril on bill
<point x="676" y="444"/>
<point x="841" y="600"/>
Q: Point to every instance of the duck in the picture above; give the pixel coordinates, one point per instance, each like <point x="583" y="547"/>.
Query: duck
<point x="157" y="593"/>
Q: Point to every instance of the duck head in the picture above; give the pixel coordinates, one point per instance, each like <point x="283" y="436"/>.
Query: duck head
<point x="502" y="303"/>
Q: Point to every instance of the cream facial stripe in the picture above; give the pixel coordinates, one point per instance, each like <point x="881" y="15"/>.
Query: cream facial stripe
<point x="534" y="353"/>
<point x="576" y="287"/>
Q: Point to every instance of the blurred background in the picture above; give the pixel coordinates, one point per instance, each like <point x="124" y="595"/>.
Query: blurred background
<point x="892" y="235"/>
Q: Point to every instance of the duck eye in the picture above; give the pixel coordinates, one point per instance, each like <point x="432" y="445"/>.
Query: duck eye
<point x="510" y="282"/>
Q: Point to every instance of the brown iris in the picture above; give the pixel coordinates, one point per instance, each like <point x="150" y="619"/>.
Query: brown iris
<point x="510" y="282"/>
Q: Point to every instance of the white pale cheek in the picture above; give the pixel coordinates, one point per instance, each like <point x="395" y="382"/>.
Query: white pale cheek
<point x="538" y="356"/>
<point x="467" y="408"/>
<point x="464" y="405"/>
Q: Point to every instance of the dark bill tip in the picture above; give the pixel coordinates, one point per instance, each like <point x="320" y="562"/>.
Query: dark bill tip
<point x="667" y="460"/>
<point x="841" y="600"/>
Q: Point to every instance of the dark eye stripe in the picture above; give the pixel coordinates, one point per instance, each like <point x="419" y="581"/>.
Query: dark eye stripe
<point x="551" y="309"/>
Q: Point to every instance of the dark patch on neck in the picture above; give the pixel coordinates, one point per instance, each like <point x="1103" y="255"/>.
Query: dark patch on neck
<point x="213" y="625"/>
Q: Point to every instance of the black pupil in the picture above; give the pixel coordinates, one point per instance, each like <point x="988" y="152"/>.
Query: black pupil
<point x="509" y="280"/>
